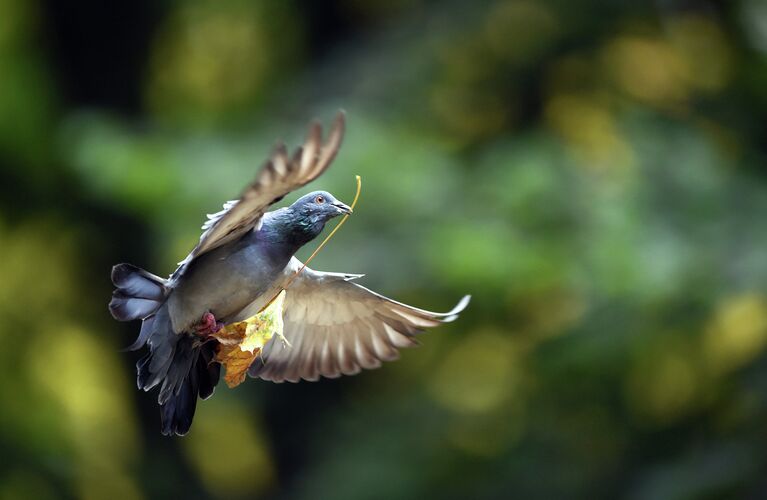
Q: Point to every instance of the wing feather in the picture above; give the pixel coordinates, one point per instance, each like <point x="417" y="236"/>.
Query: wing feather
<point x="280" y="175"/>
<point x="337" y="327"/>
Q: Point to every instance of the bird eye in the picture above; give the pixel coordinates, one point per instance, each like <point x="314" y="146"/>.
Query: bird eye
<point x="320" y="199"/>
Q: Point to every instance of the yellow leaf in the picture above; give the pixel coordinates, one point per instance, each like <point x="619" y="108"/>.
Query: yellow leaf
<point x="242" y="342"/>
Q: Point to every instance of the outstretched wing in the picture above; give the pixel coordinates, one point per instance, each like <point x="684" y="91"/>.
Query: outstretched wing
<point x="337" y="327"/>
<point x="279" y="176"/>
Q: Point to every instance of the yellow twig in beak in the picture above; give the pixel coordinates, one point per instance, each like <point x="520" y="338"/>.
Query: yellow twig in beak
<point x="317" y="250"/>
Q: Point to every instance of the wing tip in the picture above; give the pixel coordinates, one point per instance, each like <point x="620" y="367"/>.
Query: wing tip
<point x="340" y="118"/>
<point x="452" y="315"/>
<point x="121" y="271"/>
<point x="338" y="128"/>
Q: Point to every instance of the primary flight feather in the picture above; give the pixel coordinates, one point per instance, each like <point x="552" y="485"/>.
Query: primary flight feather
<point x="244" y="257"/>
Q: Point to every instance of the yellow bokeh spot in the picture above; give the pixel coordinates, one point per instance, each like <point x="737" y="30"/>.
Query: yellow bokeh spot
<point x="228" y="450"/>
<point x="209" y="61"/>
<point x="34" y="249"/>
<point x="548" y="312"/>
<point x="737" y="333"/>
<point x="82" y="376"/>
<point x="664" y="381"/>
<point x="487" y="436"/>
<point x="97" y="480"/>
<point x="468" y="112"/>
<point x="589" y="129"/>
<point x="705" y="51"/>
<point x="67" y="394"/>
<point x="478" y="376"/>
<point x="692" y="55"/>
<point x="648" y="69"/>
<point x="18" y="22"/>
<point x="518" y="30"/>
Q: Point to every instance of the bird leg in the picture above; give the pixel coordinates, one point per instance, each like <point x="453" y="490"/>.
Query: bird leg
<point x="208" y="325"/>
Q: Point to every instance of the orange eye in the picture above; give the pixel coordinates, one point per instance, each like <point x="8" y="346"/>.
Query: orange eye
<point x="320" y="199"/>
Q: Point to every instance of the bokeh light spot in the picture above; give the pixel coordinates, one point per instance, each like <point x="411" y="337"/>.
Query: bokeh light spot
<point x="737" y="333"/>
<point x="478" y="375"/>
<point x="228" y="450"/>
<point x="662" y="383"/>
<point x="648" y="69"/>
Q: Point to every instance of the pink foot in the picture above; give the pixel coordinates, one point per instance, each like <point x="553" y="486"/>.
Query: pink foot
<point x="208" y="325"/>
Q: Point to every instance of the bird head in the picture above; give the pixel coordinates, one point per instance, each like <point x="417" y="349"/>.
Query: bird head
<point x="312" y="211"/>
<point x="319" y="206"/>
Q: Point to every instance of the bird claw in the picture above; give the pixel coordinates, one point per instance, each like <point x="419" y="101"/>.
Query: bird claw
<point x="208" y="325"/>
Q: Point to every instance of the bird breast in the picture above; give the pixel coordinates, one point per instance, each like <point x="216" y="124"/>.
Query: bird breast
<point x="224" y="282"/>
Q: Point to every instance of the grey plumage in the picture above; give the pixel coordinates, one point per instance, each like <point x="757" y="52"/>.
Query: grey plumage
<point x="244" y="256"/>
<point x="138" y="293"/>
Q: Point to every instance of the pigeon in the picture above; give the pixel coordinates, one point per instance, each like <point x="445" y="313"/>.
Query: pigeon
<point x="333" y="326"/>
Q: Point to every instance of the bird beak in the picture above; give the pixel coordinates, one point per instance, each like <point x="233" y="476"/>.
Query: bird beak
<point x="343" y="208"/>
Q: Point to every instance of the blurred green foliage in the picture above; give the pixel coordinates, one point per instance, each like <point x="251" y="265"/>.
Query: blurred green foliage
<point x="592" y="172"/>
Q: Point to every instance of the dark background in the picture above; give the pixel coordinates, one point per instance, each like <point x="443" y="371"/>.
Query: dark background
<point x="592" y="172"/>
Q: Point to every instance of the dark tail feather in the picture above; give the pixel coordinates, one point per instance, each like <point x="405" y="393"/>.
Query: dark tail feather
<point x="177" y="412"/>
<point x="162" y="341"/>
<point x="208" y="371"/>
<point x="182" y="369"/>
<point x="146" y="329"/>
<point x="193" y="373"/>
<point x="138" y="294"/>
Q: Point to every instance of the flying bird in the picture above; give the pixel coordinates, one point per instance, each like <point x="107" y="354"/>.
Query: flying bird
<point x="244" y="257"/>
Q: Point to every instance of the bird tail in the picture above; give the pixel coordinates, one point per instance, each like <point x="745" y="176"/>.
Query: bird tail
<point x="138" y="294"/>
<point x="192" y="373"/>
<point x="182" y="367"/>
